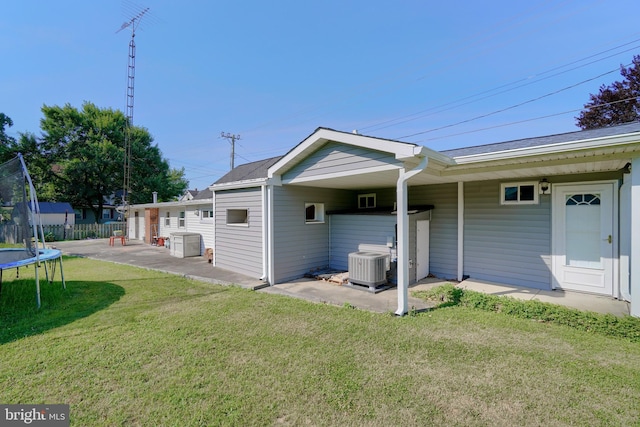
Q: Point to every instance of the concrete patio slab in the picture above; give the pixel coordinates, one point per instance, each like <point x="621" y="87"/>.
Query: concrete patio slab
<point x="140" y="254"/>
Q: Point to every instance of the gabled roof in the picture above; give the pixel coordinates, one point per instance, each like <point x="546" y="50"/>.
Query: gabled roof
<point x="603" y="149"/>
<point x="248" y="171"/>
<point x="55" y="207"/>
<point x="401" y="150"/>
<point x="544" y="140"/>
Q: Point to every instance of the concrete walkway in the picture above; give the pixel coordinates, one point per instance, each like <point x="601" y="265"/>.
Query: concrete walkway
<point x="142" y="255"/>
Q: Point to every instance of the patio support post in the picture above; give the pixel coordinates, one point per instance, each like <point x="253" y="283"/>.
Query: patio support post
<point x="265" y="235"/>
<point x="460" y="231"/>
<point x="270" y="243"/>
<point x="403" y="235"/>
<point x="634" y="261"/>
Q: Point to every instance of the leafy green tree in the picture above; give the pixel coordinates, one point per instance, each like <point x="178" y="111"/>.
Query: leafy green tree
<point x="616" y="103"/>
<point x="80" y="158"/>
<point x="7" y="143"/>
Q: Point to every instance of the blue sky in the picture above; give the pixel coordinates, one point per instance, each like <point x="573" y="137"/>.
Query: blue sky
<point x="445" y="75"/>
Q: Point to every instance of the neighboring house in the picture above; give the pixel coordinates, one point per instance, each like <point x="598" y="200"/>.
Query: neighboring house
<point x="188" y="195"/>
<point x="86" y="215"/>
<point x="109" y="211"/>
<point x="555" y="212"/>
<point x="56" y="213"/>
<point x="163" y="218"/>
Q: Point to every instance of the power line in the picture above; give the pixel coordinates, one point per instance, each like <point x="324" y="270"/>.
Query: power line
<point x="492" y="92"/>
<point x="528" y="120"/>
<point x="512" y="106"/>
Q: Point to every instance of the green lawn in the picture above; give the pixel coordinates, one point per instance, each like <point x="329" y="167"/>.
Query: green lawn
<point x="127" y="346"/>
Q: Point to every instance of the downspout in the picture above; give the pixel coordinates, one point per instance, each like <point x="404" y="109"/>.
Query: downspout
<point x="215" y="215"/>
<point x="265" y="229"/>
<point x="403" y="235"/>
<point x="270" y="234"/>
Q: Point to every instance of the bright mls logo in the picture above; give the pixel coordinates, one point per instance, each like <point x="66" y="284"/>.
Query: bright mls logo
<point x="34" y="415"/>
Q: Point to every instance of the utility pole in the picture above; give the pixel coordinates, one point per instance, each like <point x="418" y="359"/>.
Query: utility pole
<point x="233" y="139"/>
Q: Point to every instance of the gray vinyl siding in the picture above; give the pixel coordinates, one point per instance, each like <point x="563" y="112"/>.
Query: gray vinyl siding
<point x="336" y="158"/>
<point x="350" y="231"/>
<point x="300" y="247"/>
<point x="196" y="224"/>
<point x="506" y="243"/>
<point x="443" y="233"/>
<point x="237" y="247"/>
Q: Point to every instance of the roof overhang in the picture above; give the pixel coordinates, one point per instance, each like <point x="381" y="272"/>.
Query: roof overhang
<point x="408" y="155"/>
<point x="184" y="203"/>
<point x="238" y="184"/>
<point x="401" y="150"/>
<point x="584" y="156"/>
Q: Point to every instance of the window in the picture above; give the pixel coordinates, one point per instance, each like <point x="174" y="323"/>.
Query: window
<point x="523" y="193"/>
<point x="238" y="217"/>
<point x="106" y="214"/>
<point x="181" y="219"/>
<point x="314" y="213"/>
<point x="167" y="219"/>
<point x="206" y="214"/>
<point x="366" y="201"/>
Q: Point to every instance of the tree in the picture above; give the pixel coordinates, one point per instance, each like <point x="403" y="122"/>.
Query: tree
<point x="80" y="158"/>
<point x="616" y="103"/>
<point x="7" y="143"/>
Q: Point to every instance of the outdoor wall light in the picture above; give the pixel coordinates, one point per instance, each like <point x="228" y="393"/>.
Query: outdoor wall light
<point x="545" y="186"/>
<point x="196" y="212"/>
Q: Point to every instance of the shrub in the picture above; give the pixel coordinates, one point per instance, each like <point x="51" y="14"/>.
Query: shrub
<point x="626" y="327"/>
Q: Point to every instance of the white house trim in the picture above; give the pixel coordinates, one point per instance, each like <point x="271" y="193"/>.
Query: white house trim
<point x="587" y="144"/>
<point x="634" y="260"/>
<point x="401" y="150"/>
<point x="403" y="235"/>
<point x="460" y="230"/>
<point x="344" y="174"/>
<point x="238" y="184"/>
<point x="264" y="201"/>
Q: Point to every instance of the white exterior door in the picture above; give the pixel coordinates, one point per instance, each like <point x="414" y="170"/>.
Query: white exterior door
<point x="422" y="249"/>
<point x="583" y="237"/>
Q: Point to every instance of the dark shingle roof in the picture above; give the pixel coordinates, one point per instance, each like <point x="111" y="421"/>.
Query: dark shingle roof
<point x="54" y="207"/>
<point x="203" y="194"/>
<point x="545" y="140"/>
<point x="248" y="171"/>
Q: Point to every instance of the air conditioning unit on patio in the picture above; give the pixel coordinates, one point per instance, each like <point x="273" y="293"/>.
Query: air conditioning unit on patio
<point x="368" y="268"/>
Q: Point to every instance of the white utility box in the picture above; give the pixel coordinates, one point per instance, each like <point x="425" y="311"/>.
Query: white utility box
<point x="185" y="244"/>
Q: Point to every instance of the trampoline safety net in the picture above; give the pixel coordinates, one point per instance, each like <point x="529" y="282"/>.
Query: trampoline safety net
<point x="16" y="207"/>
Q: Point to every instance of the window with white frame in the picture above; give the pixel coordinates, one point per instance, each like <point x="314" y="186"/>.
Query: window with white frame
<point x="238" y="217"/>
<point x="181" y="219"/>
<point x="206" y="214"/>
<point x="519" y="193"/>
<point x="314" y="213"/>
<point x="167" y="219"/>
<point x="366" y="201"/>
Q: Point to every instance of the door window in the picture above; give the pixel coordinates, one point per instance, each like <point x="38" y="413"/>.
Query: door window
<point x="583" y="230"/>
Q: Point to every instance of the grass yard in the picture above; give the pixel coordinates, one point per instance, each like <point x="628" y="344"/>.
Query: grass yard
<point x="127" y="346"/>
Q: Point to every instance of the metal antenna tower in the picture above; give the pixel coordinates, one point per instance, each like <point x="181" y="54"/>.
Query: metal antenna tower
<point x="131" y="74"/>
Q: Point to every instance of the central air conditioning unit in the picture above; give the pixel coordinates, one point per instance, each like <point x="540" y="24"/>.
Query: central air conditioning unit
<point x="368" y="268"/>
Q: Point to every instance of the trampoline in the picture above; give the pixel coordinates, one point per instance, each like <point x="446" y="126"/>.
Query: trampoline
<point x="21" y="233"/>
